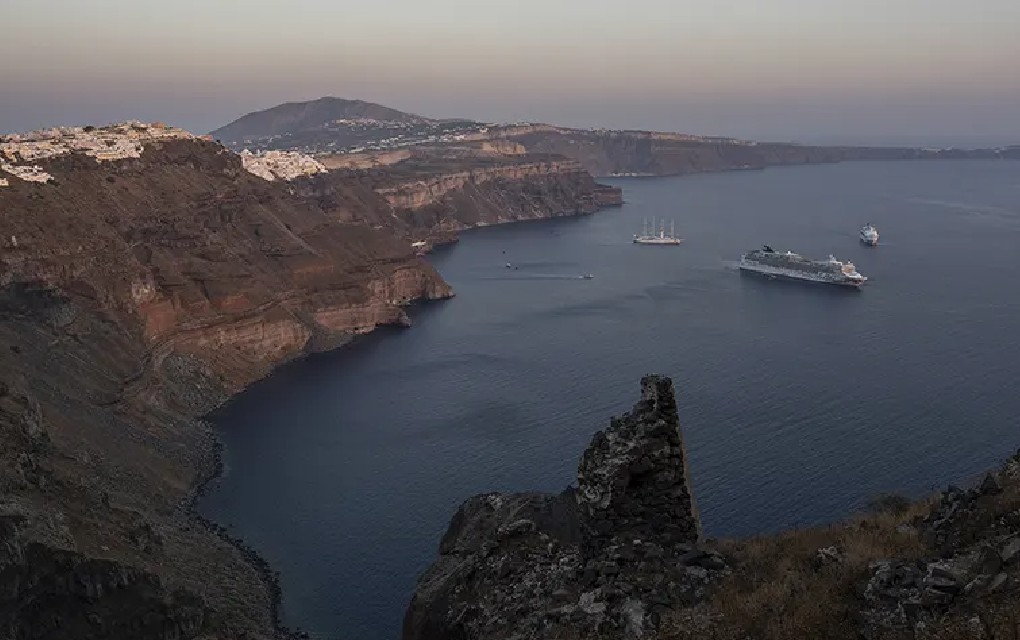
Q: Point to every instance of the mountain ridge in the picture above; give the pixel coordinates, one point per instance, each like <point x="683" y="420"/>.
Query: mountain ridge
<point x="296" y="116"/>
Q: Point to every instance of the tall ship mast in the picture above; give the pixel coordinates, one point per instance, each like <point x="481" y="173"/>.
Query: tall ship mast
<point x="660" y="238"/>
<point x="791" y="266"/>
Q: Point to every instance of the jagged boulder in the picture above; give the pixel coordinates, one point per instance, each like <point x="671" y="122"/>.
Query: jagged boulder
<point x="610" y="557"/>
<point x="632" y="480"/>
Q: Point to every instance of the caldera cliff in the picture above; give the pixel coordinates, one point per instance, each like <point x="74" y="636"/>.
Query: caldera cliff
<point x="437" y="193"/>
<point x="139" y="293"/>
<point x="651" y="153"/>
<point x="621" y="555"/>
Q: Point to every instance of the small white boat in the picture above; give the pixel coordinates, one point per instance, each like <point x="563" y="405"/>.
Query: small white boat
<point x="869" y="235"/>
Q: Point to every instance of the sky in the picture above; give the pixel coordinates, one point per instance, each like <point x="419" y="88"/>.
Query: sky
<point x="809" y="70"/>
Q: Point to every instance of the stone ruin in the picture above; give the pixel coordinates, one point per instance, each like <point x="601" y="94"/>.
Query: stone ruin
<point x="607" y="558"/>
<point x="633" y="477"/>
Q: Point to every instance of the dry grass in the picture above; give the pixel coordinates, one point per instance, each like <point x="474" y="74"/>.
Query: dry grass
<point x="779" y="592"/>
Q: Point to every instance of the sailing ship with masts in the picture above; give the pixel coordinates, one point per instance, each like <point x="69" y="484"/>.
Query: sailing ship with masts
<point x="658" y="238"/>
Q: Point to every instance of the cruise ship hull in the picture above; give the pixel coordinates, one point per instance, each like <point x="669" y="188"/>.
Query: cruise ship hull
<point x="659" y="241"/>
<point x="774" y="273"/>
<point x="871" y="242"/>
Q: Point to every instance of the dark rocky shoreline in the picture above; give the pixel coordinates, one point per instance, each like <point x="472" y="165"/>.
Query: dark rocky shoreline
<point x="269" y="576"/>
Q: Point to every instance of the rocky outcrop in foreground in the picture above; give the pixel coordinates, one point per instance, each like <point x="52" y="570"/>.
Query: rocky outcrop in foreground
<point x="610" y="556"/>
<point x="620" y="556"/>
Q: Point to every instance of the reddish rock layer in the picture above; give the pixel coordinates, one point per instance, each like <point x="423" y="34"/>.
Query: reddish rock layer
<point x="135" y="295"/>
<point x="138" y="294"/>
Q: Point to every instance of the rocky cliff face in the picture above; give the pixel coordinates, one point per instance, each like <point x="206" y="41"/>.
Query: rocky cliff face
<point x="204" y="254"/>
<point x="654" y="154"/>
<point x="438" y="196"/>
<point x="620" y="556"/>
<point x="606" y="558"/>
<point x="134" y="296"/>
<point x="138" y="294"/>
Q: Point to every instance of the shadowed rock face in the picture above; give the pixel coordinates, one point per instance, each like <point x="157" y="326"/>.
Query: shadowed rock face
<point x="632" y="481"/>
<point x="620" y="557"/>
<point x="607" y="557"/>
<point x="138" y="294"/>
<point x="134" y="296"/>
<point x="62" y="594"/>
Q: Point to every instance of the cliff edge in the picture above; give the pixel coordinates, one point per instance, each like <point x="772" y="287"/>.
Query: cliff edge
<point x="135" y="295"/>
<point x="606" y="557"/>
<point x="622" y="556"/>
<point x="138" y="291"/>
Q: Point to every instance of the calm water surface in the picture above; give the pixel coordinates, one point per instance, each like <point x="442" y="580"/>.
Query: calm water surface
<point x="799" y="403"/>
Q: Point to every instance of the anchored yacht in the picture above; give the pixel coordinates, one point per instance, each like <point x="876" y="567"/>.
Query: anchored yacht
<point x="660" y="238"/>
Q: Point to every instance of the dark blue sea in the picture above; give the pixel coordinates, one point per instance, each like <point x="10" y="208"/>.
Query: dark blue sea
<point x="799" y="403"/>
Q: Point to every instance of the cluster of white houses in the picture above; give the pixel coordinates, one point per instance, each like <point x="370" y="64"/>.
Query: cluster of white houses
<point x="20" y="152"/>
<point x="27" y="172"/>
<point x="282" y="165"/>
<point x="113" y="142"/>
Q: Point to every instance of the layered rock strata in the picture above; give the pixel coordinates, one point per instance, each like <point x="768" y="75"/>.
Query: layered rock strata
<point x="647" y="153"/>
<point x="135" y="295"/>
<point x="439" y="196"/>
<point x="139" y="293"/>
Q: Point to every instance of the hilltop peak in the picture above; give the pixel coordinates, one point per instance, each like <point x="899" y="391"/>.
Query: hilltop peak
<point x="311" y="115"/>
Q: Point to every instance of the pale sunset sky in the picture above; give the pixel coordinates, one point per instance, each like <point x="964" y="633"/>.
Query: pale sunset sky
<point x="863" y="71"/>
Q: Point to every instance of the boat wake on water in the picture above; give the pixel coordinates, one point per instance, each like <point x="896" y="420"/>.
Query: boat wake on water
<point x="524" y="275"/>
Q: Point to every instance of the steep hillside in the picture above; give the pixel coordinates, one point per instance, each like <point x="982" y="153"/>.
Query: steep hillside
<point x="295" y="117"/>
<point x="432" y="198"/>
<point x="139" y="293"/>
<point x="134" y="296"/>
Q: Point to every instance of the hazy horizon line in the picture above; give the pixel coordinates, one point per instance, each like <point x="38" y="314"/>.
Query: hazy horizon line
<point x="942" y="138"/>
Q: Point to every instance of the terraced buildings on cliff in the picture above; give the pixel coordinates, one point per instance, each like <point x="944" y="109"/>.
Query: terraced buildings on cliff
<point x="112" y="142"/>
<point x="283" y="165"/>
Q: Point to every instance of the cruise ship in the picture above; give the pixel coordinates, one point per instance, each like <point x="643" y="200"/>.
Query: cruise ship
<point x="869" y="235"/>
<point x="661" y="238"/>
<point x="791" y="266"/>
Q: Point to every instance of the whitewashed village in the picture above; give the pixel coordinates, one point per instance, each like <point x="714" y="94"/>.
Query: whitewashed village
<point x="19" y="153"/>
